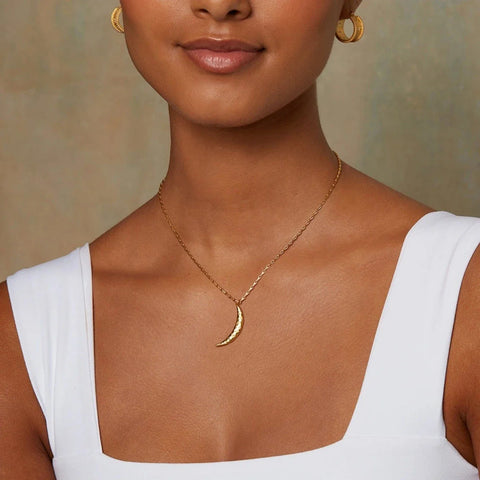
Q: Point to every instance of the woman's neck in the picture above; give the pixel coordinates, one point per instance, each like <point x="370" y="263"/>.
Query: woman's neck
<point x="225" y="185"/>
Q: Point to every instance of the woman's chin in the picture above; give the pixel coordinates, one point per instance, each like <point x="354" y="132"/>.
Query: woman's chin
<point x="219" y="117"/>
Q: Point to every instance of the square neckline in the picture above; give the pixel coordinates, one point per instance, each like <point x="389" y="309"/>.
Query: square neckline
<point x="87" y="282"/>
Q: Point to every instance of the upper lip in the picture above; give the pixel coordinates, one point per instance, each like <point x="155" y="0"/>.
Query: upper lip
<point x="221" y="45"/>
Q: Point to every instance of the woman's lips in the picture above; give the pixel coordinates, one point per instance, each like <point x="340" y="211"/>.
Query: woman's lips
<point x="221" y="61"/>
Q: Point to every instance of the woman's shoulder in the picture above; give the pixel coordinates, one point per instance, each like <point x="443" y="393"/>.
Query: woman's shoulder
<point x="462" y="388"/>
<point x="50" y="268"/>
<point x="377" y="214"/>
<point x="23" y="427"/>
<point x="452" y="238"/>
<point x="141" y="242"/>
<point x="27" y="300"/>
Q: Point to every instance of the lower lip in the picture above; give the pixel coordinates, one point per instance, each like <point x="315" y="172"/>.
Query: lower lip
<point x="221" y="62"/>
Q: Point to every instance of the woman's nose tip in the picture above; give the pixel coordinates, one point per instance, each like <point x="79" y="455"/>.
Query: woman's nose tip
<point x="221" y="10"/>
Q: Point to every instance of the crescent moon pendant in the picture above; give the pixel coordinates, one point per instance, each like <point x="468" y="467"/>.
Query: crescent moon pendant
<point x="236" y="330"/>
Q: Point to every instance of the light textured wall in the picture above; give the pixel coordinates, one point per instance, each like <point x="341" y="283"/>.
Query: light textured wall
<point x="404" y="103"/>
<point x="84" y="140"/>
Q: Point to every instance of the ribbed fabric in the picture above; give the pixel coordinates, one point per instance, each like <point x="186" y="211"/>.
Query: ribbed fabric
<point x="396" y="432"/>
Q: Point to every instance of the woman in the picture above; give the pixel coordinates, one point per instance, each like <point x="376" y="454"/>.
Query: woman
<point x="158" y="351"/>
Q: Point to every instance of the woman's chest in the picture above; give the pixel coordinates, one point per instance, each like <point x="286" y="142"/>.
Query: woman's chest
<point x="288" y="383"/>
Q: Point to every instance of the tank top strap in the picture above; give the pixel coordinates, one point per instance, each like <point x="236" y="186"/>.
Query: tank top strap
<point x="402" y="394"/>
<point x="48" y="303"/>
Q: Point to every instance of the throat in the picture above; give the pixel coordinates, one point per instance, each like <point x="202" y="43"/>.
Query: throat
<point x="217" y="212"/>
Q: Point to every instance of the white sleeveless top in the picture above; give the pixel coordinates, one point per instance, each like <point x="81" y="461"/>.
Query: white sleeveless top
<point x="397" y="430"/>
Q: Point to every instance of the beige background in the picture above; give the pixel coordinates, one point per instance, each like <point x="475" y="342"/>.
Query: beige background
<point x="84" y="140"/>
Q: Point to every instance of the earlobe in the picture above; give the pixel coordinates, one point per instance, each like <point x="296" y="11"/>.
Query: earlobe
<point x="349" y="7"/>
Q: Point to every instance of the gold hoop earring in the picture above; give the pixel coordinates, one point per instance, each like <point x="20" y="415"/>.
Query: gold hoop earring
<point x="358" y="29"/>
<point x="115" y="19"/>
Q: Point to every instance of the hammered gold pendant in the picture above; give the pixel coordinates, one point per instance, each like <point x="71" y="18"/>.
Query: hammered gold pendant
<point x="236" y="330"/>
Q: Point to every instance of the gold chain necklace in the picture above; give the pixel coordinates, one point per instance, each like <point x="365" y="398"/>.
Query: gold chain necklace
<point x="240" y="316"/>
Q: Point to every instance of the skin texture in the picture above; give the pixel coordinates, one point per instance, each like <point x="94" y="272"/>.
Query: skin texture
<point x="248" y="164"/>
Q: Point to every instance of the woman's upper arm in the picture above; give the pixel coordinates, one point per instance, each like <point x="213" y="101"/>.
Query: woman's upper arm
<point x="24" y="450"/>
<point x="472" y="300"/>
<point x="463" y="394"/>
